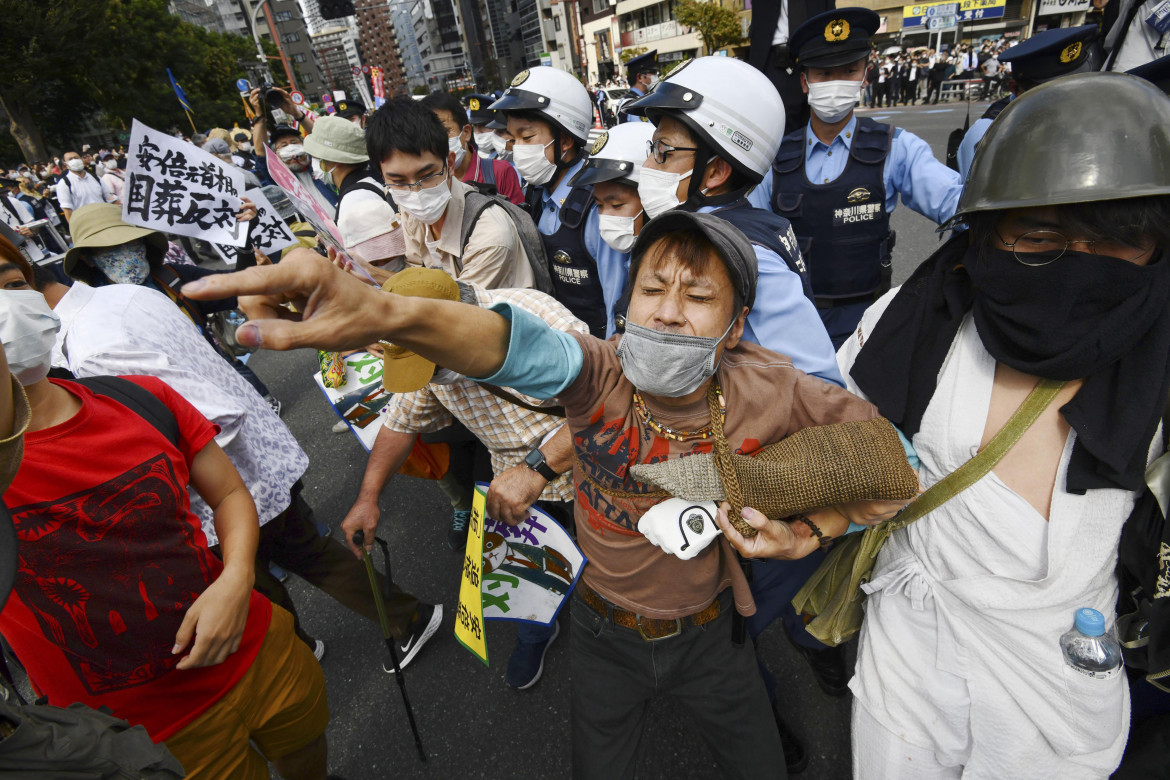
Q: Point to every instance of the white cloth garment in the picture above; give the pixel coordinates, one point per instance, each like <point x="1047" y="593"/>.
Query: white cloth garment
<point x="74" y="191"/>
<point x="126" y="329"/>
<point x="960" y="652"/>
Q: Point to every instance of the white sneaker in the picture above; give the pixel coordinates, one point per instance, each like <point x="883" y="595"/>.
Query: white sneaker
<point x="319" y="650"/>
<point x="422" y="629"/>
<point x="341" y="426"/>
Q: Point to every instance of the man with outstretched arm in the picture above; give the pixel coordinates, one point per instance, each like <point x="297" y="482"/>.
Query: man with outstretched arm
<point x="677" y="381"/>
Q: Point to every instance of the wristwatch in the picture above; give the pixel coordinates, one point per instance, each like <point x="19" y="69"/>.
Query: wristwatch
<point x="536" y="462"/>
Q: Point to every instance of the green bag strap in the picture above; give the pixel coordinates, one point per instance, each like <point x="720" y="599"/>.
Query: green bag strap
<point x="1039" y="399"/>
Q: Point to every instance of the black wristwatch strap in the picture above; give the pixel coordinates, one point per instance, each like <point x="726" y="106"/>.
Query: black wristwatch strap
<point x="541" y="467"/>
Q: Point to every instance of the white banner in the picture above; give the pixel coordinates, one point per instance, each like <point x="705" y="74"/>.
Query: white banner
<point x="1049" y="7"/>
<point x="270" y="233"/>
<point x="175" y="187"/>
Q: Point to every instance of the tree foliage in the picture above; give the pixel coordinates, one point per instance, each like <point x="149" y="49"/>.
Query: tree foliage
<point x="628" y="53"/>
<point x="717" y="27"/>
<point x="73" y="63"/>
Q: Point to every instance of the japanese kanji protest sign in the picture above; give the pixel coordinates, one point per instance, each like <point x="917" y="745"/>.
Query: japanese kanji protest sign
<point x="270" y="233"/>
<point x="469" y="629"/>
<point x="175" y="187"/>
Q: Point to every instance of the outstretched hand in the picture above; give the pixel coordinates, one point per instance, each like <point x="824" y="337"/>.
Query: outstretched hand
<point x="333" y="309"/>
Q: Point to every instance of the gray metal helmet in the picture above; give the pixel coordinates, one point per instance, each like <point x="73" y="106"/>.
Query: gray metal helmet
<point x="1078" y="139"/>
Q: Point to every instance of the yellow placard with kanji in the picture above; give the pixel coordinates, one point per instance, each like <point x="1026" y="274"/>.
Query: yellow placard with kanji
<point x="469" y="626"/>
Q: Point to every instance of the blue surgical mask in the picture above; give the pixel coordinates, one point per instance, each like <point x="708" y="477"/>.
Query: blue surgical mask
<point x="123" y="264"/>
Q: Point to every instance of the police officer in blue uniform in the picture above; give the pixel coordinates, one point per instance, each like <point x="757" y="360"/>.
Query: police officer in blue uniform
<point x="717" y="123"/>
<point x="612" y="171"/>
<point x="642" y="75"/>
<point x="838" y="178"/>
<point x="1045" y="56"/>
<point x="549" y="114"/>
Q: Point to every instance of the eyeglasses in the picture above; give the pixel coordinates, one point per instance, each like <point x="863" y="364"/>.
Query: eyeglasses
<point x="659" y="149"/>
<point x="421" y="184"/>
<point x="1053" y="245"/>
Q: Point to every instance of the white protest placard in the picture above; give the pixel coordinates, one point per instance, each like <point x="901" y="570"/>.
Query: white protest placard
<point x="361" y="400"/>
<point x="1048" y="7"/>
<point x="175" y="187"/>
<point x="270" y="233"/>
<point x="528" y="569"/>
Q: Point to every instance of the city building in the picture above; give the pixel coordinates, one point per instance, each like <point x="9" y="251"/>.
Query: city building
<point x="337" y="56"/>
<point x="378" y="44"/>
<point x="600" y="28"/>
<point x="234" y="17"/>
<point x="440" y="45"/>
<point x="412" y="65"/>
<point x="551" y="34"/>
<point x="501" y="25"/>
<point x="652" y="26"/>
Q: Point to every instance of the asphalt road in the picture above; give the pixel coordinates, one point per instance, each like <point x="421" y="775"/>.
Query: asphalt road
<point x="472" y="724"/>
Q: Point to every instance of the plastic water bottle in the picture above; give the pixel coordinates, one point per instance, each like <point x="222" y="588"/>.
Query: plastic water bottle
<point x="1088" y="648"/>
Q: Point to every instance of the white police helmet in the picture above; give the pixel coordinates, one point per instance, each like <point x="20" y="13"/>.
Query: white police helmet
<point x="729" y="104"/>
<point x="617" y="155"/>
<point x="554" y="93"/>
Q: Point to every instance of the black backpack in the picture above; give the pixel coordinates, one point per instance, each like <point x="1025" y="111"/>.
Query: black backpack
<point x="477" y="202"/>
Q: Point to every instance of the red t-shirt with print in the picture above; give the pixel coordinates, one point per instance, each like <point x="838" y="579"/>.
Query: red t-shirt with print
<point x="111" y="558"/>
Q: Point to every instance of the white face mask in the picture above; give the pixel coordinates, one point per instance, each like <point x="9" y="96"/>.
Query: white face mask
<point x="456" y="145"/>
<point x="532" y="163"/>
<point x="425" y="205"/>
<point x="658" y="190"/>
<point x="618" y="232"/>
<point x="500" y="143"/>
<point x="832" y="101"/>
<point x="485" y="142"/>
<point x="244" y="146"/>
<point x="76" y="165"/>
<point x="28" y="329"/>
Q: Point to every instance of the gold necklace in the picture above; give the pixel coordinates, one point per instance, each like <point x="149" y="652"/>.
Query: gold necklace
<point x="670" y="433"/>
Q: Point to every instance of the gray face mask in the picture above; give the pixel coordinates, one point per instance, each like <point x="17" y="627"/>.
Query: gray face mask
<point x="667" y="364"/>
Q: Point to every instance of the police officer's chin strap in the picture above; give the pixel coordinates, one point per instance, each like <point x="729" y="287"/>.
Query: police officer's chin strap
<point x="557" y="161"/>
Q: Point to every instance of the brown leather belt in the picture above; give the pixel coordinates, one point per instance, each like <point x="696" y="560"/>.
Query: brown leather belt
<point x="650" y="629"/>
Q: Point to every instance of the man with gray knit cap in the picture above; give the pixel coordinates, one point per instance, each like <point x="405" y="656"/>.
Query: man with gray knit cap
<point x="679" y="381"/>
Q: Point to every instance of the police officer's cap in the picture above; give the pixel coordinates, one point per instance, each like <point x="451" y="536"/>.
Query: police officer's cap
<point x="349" y="108"/>
<point x="1156" y="72"/>
<point x="834" y="38"/>
<point x="478" y="112"/>
<point x="1053" y="53"/>
<point x="643" y="63"/>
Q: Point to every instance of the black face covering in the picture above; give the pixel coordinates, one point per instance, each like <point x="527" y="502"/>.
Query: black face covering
<point x="1082" y="316"/>
<point x="1068" y="319"/>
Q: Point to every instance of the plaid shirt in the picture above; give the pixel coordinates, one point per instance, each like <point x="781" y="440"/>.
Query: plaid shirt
<point x="508" y="431"/>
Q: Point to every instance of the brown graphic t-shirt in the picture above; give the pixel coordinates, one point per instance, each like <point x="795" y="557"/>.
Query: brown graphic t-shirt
<point x="767" y="399"/>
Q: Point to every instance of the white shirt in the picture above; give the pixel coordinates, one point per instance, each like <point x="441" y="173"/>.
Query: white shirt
<point x="960" y="648"/>
<point x="1143" y="43"/>
<point x="781" y="34"/>
<point x="73" y="191"/>
<point x="126" y="329"/>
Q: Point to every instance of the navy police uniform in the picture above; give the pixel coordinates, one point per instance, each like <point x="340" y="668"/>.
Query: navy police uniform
<point x="1043" y="57"/>
<point x="839" y="195"/>
<point x="643" y="63"/>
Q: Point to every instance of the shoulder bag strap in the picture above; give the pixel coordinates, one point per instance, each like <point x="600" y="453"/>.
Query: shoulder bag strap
<point x="501" y="393"/>
<point x="984" y="461"/>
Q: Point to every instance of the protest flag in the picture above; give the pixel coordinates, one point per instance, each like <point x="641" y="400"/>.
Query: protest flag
<point x="182" y="96"/>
